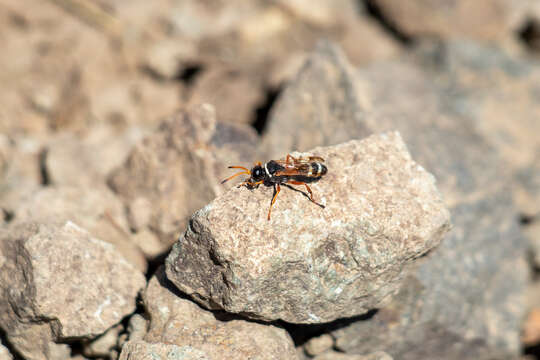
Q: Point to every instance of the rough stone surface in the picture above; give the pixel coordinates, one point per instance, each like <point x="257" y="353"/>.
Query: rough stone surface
<point x="179" y="321"/>
<point x="334" y="355"/>
<point x="59" y="283"/>
<point x="438" y="125"/>
<point x="142" y="350"/>
<point x="95" y="209"/>
<point x="308" y="264"/>
<point x="431" y="303"/>
<point x="178" y="169"/>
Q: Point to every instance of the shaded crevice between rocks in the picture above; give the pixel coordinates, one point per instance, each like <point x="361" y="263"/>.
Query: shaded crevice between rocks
<point x="302" y="333"/>
<point x="375" y="12"/>
<point x="529" y="34"/>
<point x="5" y="342"/>
<point x="45" y="178"/>
<point x="189" y="73"/>
<point x="262" y="112"/>
<point x="220" y="315"/>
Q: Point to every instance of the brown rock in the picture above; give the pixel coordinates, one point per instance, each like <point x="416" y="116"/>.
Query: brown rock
<point x="19" y="171"/>
<point x="104" y="345"/>
<point x="176" y="320"/>
<point x="334" y="355"/>
<point x="178" y="169"/>
<point x="324" y="94"/>
<point x="4" y="353"/>
<point x="382" y="211"/>
<point x="60" y="283"/>
<point x="318" y="345"/>
<point x="233" y="93"/>
<point x="486" y="20"/>
<point x="438" y="124"/>
<point x="142" y="350"/>
<point x="95" y="209"/>
<point x="72" y="160"/>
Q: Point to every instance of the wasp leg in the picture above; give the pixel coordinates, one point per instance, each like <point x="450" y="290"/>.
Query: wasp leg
<point x="308" y="189"/>
<point x="251" y="184"/>
<point x="277" y="189"/>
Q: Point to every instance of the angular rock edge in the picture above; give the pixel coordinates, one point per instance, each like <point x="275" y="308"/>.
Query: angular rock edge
<point x="313" y="265"/>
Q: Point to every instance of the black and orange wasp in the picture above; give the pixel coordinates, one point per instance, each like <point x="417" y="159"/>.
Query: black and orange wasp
<point x="291" y="171"/>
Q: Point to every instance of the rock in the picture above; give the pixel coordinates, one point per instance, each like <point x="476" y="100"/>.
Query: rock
<point x="96" y="209"/>
<point x="324" y="94"/>
<point x="178" y="169"/>
<point x="382" y="211"/>
<point x="490" y="87"/>
<point x="165" y="58"/>
<point x="526" y="189"/>
<point x="216" y="86"/>
<point x="176" y="320"/>
<point x="334" y="355"/>
<point x="142" y="350"/>
<point x="440" y="131"/>
<point x="4" y="353"/>
<point x="475" y="260"/>
<point x="60" y="283"/>
<point x="485" y="20"/>
<point x="532" y="234"/>
<point x="318" y="345"/>
<point x="104" y="345"/>
<point x="531" y="328"/>
<point x="137" y="327"/>
<point x="20" y="173"/>
<point x="86" y="161"/>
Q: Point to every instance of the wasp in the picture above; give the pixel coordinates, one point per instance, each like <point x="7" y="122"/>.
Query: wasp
<point x="291" y="171"/>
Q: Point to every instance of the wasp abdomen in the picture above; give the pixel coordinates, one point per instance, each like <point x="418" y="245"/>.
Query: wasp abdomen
<point x="317" y="169"/>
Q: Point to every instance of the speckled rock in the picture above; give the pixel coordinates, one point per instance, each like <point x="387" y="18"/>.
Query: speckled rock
<point x="309" y="264"/>
<point x="142" y="350"/>
<point x="178" y="169"/>
<point x="334" y="355"/>
<point x="179" y="321"/>
<point x="430" y="305"/>
<point x="59" y="283"/>
<point x="438" y="121"/>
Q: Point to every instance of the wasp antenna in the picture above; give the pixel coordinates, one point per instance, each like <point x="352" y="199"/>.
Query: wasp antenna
<point x="238" y="167"/>
<point x="247" y="172"/>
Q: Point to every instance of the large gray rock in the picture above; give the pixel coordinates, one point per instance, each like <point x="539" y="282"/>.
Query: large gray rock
<point x="431" y="304"/>
<point x="179" y="321"/>
<point x="437" y="121"/>
<point x="308" y="264"/>
<point x="59" y="283"/>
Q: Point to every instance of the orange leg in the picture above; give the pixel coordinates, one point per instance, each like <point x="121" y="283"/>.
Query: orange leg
<point x="276" y="192"/>
<point x="252" y="184"/>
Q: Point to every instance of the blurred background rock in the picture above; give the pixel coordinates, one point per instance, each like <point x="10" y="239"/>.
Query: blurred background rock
<point x="100" y="124"/>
